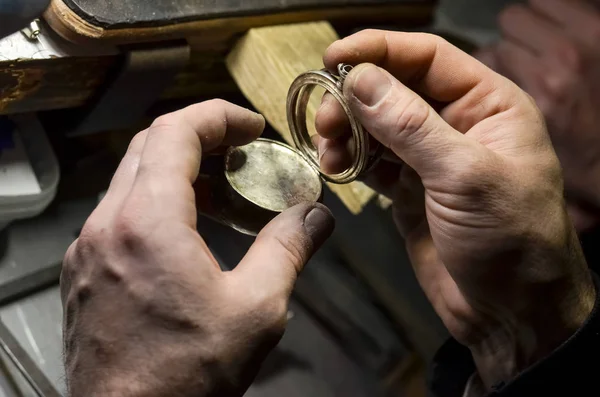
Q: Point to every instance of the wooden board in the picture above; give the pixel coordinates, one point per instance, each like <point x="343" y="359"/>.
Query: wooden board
<point x="265" y="63"/>
<point x="69" y="75"/>
<point x="59" y="83"/>
<point x="135" y="13"/>
<point x="94" y="20"/>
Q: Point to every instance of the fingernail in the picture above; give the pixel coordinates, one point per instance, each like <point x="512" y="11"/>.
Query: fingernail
<point x="322" y="148"/>
<point x="324" y="101"/>
<point x="371" y="85"/>
<point x="319" y="224"/>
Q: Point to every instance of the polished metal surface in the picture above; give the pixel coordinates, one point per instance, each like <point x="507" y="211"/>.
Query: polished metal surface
<point x="256" y="182"/>
<point x="271" y="175"/>
<point x="33" y="31"/>
<point x="297" y="103"/>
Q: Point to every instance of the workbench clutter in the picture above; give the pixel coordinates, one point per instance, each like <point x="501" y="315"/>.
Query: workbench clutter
<point x="29" y="172"/>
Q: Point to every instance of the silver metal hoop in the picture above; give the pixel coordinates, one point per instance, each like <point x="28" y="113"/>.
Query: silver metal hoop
<point x="297" y="104"/>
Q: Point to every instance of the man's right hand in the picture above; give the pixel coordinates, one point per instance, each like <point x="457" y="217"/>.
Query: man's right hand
<point x="480" y="199"/>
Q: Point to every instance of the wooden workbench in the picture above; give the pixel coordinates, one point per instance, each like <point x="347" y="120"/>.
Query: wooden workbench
<point x="67" y="75"/>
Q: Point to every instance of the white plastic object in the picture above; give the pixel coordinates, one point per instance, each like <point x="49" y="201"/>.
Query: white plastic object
<point x="16" y="14"/>
<point x="30" y="200"/>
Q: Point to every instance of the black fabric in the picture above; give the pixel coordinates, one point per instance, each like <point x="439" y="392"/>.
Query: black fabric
<point x="572" y="370"/>
<point x="136" y="13"/>
<point x="590" y="242"/>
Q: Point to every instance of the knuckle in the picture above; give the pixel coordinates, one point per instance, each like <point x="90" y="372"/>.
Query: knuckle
<point x="165" y="121"/>
<point x="217" y="102"/>
<point x="438" y="42"/>
<point x="558" y="87"/>
<point x="294" y="248"/>
<point x="137" y="142"/>
<point x="406" y="118"/>
<point x="89" y="241"/>
<point x="370" y="32"/>
<point x="535" y="103"/>
<point x="273" y="317"/>
<point x="571" y="55"/>
<point x="68" y="265"/>
<point x="129" y="233"/>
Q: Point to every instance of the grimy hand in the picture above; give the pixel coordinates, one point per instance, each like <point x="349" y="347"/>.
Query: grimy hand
<point x="551" y="49"/>
<point x="148" y="312"/>
<point x="480" y="199"/>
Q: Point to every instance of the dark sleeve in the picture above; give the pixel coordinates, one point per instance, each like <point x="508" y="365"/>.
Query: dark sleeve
<point x="571" y="370"/>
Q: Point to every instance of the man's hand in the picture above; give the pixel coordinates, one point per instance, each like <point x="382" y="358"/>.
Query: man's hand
<point x="480" y="199"/>
<point x="551" y="48"/>
<point x="148" y="312"/>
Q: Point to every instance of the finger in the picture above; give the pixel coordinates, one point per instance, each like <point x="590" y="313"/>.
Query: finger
<point x="402" y="121"/>
<point x="121" y="183"/>
<point x="281" y="250"/>
<point x="545" y="83"/>
<point x="582" y="219"/>
<point x="335" y="155"/>
<point x="171" y="157"/>
<point x="433" y="276"/>
<point x="424" y="62"/>
<point x="579" y="18"/>
<point x="331" y="121"/>
<point x="410" y="217"/>
<point x="384" y="178"/>
<point x="536" y="34"/>
<point x="435" y="69"/>
<point x="524" y="68"/>
<point x="488" y="57"/>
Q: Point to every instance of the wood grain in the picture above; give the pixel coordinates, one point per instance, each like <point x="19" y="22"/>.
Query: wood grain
<point x="70" y="80"/>
<point x="59" y="83"/>
<point x="264" y="64"/>
<point x="74" y="28"/>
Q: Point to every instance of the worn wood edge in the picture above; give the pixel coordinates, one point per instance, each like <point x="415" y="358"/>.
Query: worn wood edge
<point x="30" y="85"/>
<point x="73" y="28"/>
<point x="355" y="195"/>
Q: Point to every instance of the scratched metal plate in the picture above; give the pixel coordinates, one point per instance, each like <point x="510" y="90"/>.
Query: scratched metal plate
<point x="271" y="175"/>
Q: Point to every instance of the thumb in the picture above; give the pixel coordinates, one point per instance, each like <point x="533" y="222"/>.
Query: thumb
<point x="403" y="121"/>
<point x="283" y="247"/>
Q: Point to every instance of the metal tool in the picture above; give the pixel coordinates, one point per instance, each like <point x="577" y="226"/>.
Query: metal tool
<point x="33" y="30"/>
<point x="252" y="184"/>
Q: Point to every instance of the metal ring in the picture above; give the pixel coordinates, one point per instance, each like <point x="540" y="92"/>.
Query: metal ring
<point x="297" y="104"/>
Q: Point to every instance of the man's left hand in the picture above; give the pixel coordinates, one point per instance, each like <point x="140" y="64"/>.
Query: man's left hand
<point x="147" y="310"/>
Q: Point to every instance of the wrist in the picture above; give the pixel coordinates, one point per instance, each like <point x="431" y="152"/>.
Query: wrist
<point x="517" y="342"/>
<point x="132" y="373"/>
